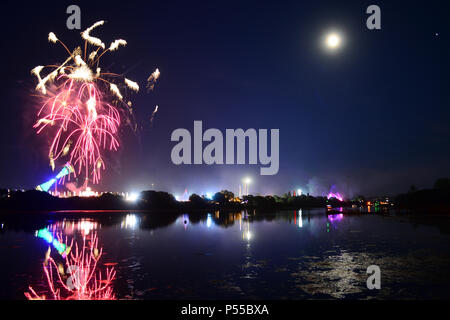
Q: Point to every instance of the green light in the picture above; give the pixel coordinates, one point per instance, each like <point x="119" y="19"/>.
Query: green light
<point x="47" y="236"/>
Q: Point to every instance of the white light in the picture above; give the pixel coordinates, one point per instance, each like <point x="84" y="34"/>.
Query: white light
<point x="248" y="180"/>
<point x="87" y="193"/>
<point x="209" y="195"/>
<point x="132" y="197"/>
<point x="300" y="218"/>
<point x="299" y="192"/>
<point x="86" y="226"/>
<point x="333" y="40"/>
<point x="131" y="221"/>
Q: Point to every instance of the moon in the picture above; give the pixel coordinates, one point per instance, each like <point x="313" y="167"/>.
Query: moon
<point x="333" y="41"/>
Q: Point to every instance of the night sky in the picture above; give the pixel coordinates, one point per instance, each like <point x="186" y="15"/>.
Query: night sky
<point x="371" y="118"/>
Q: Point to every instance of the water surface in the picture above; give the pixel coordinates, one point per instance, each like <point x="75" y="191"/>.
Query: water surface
<point x="305" y="254"/>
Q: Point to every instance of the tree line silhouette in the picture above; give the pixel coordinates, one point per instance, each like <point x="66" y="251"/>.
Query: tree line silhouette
<point x="33" y="200"/>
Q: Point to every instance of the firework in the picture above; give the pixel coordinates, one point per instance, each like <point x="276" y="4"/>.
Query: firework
<point x="83" y="107"/>
<point x="152" y="79"/>
<point x="78" y="278"/>
<point x="153" y="115"/>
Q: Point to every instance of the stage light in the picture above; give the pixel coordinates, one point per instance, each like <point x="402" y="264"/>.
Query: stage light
<point x="132" y="197"/>
<point x="68" y="169"/>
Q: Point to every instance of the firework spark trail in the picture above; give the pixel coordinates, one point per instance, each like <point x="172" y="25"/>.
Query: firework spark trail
<point x="153" y="115"/>
<point x="84" y="112"/>
<point x="86" y="282"/>
<point x="152" y="79"/>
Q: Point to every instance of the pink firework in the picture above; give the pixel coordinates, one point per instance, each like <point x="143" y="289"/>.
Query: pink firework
<point x="85" y="126"/>
<point x="79" y="278"/>
<point x="83" y="106"/>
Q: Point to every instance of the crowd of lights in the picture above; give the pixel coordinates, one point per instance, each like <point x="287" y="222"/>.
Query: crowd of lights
<point x="84" y="226"/>
<point x="243" y="218"/>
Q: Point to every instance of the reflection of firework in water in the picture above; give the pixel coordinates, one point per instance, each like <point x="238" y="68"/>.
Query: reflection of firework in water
<point x="83" y="106"/>
<point x="81" y="279"/>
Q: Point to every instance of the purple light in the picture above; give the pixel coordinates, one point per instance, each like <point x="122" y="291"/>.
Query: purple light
<point x="336" y="195"/>
<point x="336" y="217"/>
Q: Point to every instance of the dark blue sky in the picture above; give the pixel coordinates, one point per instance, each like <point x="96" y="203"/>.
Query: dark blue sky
<point x="372" y="119"/>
